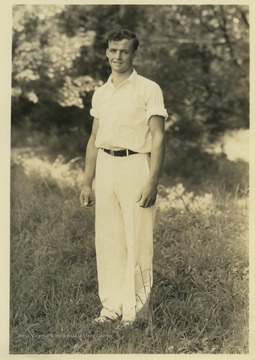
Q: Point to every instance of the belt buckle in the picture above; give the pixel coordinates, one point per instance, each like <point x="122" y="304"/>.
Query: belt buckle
<point x="112" y="152"/>
<point x="127" y="152"/>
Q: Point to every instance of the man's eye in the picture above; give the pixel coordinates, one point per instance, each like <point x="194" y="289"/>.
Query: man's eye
<point x="112" y="50"/>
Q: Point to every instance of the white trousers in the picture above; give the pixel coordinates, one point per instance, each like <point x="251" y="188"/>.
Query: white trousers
<point x="124" y="235"/>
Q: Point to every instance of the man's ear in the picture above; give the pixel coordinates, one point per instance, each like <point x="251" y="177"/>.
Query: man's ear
<point x="107" y="53"/>
<point x="134" y="54"/>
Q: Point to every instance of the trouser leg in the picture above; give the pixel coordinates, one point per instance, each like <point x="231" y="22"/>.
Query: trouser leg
<point x="138" y="223"/>
<point x="110" y="240"/>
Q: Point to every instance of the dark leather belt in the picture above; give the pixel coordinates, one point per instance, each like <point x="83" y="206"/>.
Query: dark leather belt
<point x="124" y="152"/>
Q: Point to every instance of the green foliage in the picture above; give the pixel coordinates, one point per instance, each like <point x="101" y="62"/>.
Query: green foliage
<point x="198" y="54"/>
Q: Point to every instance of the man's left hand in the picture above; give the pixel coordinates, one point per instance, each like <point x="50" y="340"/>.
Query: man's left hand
<point x="147" y="196"/>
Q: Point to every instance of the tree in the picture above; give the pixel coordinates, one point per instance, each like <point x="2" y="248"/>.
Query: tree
<point x="199" y="55"/>
<point x="203" y="54"/>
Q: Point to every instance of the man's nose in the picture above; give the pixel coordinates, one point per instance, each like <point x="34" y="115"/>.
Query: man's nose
<point x="118" y="55"/>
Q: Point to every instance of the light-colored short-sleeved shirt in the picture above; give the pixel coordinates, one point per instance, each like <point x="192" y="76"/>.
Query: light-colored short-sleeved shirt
<point x="124" y="113"/>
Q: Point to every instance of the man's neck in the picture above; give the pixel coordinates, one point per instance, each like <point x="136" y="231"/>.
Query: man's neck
<point x="118" y="78"/>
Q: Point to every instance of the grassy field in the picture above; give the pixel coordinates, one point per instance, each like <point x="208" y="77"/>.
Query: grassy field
<point x="200" y="297"/>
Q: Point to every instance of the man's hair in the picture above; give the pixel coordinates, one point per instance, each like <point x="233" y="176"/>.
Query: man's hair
<point x="120" y="34"/>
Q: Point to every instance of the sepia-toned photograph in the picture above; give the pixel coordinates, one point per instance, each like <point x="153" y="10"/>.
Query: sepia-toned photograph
<point x="129" y="184"/>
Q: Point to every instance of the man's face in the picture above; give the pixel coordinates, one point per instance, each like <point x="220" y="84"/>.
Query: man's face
<point x="120" y="55"/>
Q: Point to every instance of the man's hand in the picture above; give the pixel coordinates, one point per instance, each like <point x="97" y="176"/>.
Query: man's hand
<point x="87" y="197"/>
<point x="147" y="196"/>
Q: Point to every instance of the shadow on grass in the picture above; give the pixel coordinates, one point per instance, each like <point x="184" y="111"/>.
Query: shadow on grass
<point x="200" y="171"/>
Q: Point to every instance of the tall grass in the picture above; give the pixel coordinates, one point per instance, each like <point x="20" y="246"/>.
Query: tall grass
<point x="199" y="302"/>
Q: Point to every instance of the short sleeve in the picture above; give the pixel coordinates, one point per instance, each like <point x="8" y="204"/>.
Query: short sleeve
<point x="93" y="110"/>
<point x="155" y="103"/>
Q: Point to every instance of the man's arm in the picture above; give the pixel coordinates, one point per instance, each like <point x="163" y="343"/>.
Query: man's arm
<point x="148" y="194"/>
<point x="86" y="197"/>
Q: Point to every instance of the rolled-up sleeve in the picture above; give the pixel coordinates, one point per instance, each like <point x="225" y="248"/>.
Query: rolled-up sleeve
<point x="155" y="103"/>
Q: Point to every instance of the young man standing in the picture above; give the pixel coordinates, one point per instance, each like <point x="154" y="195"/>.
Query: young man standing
<point x="125" y="154"/>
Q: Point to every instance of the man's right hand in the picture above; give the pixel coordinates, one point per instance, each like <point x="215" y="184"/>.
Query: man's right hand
<point x="87" y="197"/>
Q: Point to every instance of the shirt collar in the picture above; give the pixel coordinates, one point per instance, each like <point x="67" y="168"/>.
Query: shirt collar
<point x="130" y="79"/>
